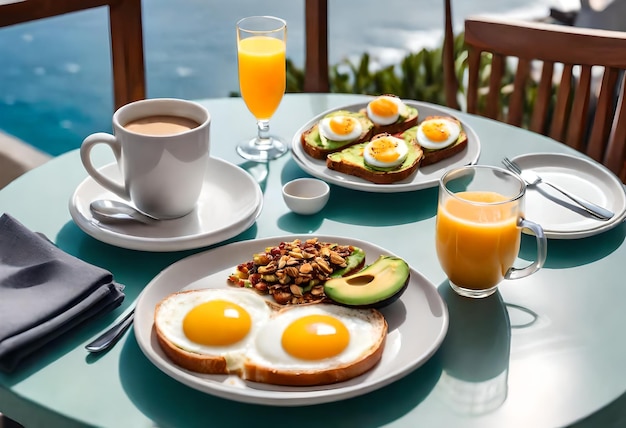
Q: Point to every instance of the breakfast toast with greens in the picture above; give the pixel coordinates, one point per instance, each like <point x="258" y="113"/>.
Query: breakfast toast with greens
<point x="390" y="114"/>
<point x="384" y="159"/>
<point x="336" y="131"/>
<point x="440" y="137"/>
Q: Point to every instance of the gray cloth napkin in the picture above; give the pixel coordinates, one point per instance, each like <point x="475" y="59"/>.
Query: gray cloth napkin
<point x="44" y="292"/>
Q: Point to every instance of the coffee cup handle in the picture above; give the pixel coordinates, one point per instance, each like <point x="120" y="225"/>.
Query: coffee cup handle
<point x="542" y="249"/>
<point x="85" y="156"/>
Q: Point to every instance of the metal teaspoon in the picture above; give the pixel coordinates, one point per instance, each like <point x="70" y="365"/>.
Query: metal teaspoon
<point x="108" y="211"/>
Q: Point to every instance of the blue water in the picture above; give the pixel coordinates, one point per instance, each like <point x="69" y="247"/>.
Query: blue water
<point x="55" y="78"/>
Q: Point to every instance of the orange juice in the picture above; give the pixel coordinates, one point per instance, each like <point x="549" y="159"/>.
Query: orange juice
<point x="477" y="243"/>
<point x="262" y="74"/>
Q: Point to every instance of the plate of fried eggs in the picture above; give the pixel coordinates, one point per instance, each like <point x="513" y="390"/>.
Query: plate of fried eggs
<point x="186" y="296"/>
<point x="426" y="175"/>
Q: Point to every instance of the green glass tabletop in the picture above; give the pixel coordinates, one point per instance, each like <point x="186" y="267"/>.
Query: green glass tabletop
<point x="544" y="351"/>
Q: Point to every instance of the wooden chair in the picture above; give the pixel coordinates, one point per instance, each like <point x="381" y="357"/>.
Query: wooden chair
<point x="126" y="37"/>
<point x="565" y="107"/>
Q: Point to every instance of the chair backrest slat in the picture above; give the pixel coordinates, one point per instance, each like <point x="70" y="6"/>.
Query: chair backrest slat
<point x="473" y="61"/>
<point x="516" y="102"/>
<point x="615" y="155"/>
<point x="559" y="118"/>
<point x="495" y="80"/>
<point x="542" y="101"/>
<point x="578" y="114"/>
<point x="601" y="126"/>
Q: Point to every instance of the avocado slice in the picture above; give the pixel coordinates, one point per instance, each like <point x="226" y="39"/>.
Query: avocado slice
<point x="375" y="286"/>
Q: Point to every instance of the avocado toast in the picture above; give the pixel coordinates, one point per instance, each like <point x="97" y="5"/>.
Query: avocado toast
<point x="407" y="115"/>
<point x="351" y="161"/>
<point x="317" y="146"/>
<point x="432" y="156"/>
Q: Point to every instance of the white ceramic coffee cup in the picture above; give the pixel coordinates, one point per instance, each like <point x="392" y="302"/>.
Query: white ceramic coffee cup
<point x="162" y="174"/>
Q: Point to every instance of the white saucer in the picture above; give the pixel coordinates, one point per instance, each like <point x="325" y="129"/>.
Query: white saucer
<point x="559" y="217"/>
<point x="229" y="204"/>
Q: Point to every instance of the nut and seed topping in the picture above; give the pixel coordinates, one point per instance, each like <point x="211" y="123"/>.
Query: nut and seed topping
<point x="293" y="272"/>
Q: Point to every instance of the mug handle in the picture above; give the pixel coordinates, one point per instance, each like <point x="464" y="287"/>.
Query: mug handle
<point x="85" y="156"/>
<point x="542" y="249"/>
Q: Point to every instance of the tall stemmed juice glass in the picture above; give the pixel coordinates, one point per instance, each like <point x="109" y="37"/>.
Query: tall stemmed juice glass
<point x="261" y="42"/>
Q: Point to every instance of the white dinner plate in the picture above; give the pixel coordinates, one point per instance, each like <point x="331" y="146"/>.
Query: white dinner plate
<point x="559" y="217"/>
<point x="424" y="177"/>
<point x="418" y="322"/>
<point x="229" y="203"/>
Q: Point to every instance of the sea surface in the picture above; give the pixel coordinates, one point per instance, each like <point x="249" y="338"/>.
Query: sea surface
<point x="55" y="74"/>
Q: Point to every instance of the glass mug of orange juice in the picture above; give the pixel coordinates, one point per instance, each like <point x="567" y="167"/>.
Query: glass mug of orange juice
<point x="478" y="231"/>
<point x="261" y="50"/>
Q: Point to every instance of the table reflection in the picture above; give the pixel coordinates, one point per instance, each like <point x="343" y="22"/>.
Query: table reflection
<point x="475" y="353"/>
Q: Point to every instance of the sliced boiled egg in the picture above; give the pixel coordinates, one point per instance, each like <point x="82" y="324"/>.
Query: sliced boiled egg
<point x="437" y="133"/>
<point x="385" y="152"/>
<point x="340" y="128"/>
<point x="385" y="110"/>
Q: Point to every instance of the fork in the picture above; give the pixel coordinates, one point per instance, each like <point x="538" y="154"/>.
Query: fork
<point x="107" y="339"/>
<point x="533" y="179"/>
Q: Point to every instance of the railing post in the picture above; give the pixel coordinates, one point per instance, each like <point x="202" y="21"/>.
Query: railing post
<point x="316" y="61"/>
<point x="449" y="73"/>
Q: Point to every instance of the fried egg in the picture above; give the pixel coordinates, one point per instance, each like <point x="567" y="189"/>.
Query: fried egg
<point x="220" y="322"/>
<point x="438" y="133"/>
<point x="316" y="337"/>
<point x="385" y="152"/>
<point x="385" y="110"/>
<point x="340" y="128"/>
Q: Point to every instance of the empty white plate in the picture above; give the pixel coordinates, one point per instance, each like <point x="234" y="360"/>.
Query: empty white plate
<point x="560" y="217"/>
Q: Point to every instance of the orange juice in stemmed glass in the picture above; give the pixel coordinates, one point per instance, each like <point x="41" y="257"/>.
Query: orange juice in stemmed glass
<point x="478" y="229"/>
<point x="261" y="51"/>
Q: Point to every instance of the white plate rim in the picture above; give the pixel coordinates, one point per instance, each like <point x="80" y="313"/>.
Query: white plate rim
<point x="317" y="167"/>
<point x="603" y="174"/>
<point x="420" y="292"/>
<point x="145" y="243"/>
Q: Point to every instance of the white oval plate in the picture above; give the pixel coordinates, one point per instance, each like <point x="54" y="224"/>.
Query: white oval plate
<point x="229" y="204"/>
<point x="418" y="322"/>
<point x="425" y="177"/>
<point x="559" y="217"/>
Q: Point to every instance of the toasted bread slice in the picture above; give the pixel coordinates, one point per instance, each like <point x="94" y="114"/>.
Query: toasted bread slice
<point x="200" y="363"/>
<point x="350" y="161"/>
<point x="433" y="156"/>
<point x="317" y="146"/>
<point x="258" y="369"/>
<point x="255" y="363"/>
<point x="408" y="118"/>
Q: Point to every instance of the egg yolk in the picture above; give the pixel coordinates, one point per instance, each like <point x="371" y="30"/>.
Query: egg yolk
<point x="217" y="323"/>
<point x="342" y="125"/>
<point x="384" y="150"/>
<point x="315" y="337"/>
<point x="436" y="130"/>
<point x="384" y="107"/>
